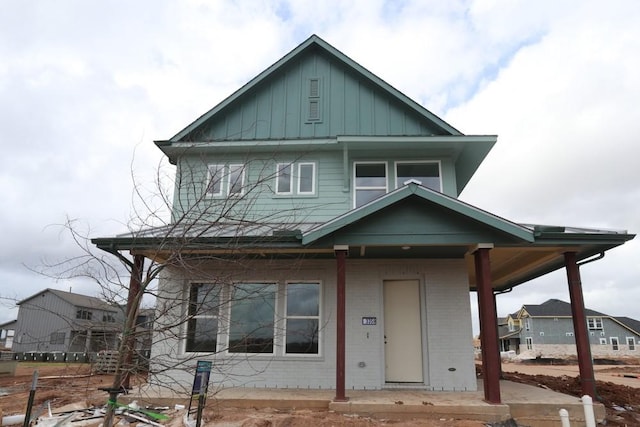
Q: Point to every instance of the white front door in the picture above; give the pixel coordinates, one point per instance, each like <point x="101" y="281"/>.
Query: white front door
<point x="402" y="331"/>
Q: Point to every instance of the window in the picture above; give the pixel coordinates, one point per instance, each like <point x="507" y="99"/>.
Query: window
<point x="202" y="326"/>
<point x="569" y="334"/>
<point x="283" y="178"/>
<point x="108" y="318"/>
<point x="529" y="342"/>
<point x="231" y="176"/>
<point x="302" y="318"/>
<point x="428" y="173"/>
<point x="370" y="182"/>
<point x="84" y="314"/>
<point x="304" y="179"/>
<point x="216" y="173"/>
<point x="236" y="180"/>
<point x="615" y="345"/>
<point x="527" y="324"/>
<point x="631" y="343"/>
<point x="603" y="341"/>
<point x="57" y="338"/>
<point x="594" y="322"/>
<point x="251" y="327"/>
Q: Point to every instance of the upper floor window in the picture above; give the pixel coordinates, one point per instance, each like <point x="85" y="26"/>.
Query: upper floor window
<point x="84" y="314"/>
<point x="108" y="317"/>
<point x="594" y="323"/>
<point x="225" y="180"/>
<point x="527" y="324"/>
<point x="370" y="181"/>
<point x="427" y="173"/>
<point x="298" y="177"/>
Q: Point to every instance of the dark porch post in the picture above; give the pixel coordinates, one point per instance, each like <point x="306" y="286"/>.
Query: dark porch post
<point x="488" y="325"/>
<point x="585" y="364"/>
<point x="133" y="300"/>
<point x="341" y="256"/>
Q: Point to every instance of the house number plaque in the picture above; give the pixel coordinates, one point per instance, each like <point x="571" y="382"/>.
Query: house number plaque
<point x="369" y="321"/>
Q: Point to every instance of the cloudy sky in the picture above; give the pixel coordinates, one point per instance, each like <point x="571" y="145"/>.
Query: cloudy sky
<point x="85" y="88"/>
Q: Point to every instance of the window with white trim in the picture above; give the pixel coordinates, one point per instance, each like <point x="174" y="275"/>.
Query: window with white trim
<point x="603" y="341"/>
<point x="594" y="323"/>
<point x="296" y="178"/>
<point x="84" y="314"/>
<point x="252" y="318"/>
<point x="615" y="344"/>
<point x="203" y="312"/>
<point x="302" y="318"/>
<point x="527" y="324"/>
<point x="236" y="180"/>
<point x="306" y="178"/>
<point x="569" y="334"/>
<point x="631" y="343"/>
<point x="370" y="181"/>
<point x="529" y="341"/>
<point x="225" y="180"/>
<point x="427" y="173"/>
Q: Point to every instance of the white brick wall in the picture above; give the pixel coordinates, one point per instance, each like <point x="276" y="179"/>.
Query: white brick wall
<point x="447" y="335"/>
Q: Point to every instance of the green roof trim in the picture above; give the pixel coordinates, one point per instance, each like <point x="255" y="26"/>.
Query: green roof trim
<point x="517" y="231"/>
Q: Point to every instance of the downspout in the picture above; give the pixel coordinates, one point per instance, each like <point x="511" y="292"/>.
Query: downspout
<point x="593" y="258"/>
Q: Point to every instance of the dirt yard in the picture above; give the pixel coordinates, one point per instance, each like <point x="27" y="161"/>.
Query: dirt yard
<point x="617" y="386"/>
<point x="63" y="384"/>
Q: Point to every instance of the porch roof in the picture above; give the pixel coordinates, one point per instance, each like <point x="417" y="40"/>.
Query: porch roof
<point x="412" y="222"/>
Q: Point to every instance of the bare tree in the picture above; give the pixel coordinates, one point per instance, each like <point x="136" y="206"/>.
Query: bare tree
<point x="204" y="226"/>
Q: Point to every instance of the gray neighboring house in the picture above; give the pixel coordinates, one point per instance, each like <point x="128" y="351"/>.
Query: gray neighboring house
<point x="54" y="320"/>
<point x="7" y="332"/>
<point x="546" y="330"/>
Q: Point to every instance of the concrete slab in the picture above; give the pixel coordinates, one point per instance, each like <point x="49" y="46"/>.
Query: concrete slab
<point x="532" y="406"/>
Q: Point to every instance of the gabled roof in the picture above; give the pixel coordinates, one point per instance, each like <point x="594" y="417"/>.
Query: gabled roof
<point x="315" y="42"/>
<point x="555" y="308"/>
<point x="413" y="190"/>
<point x="629" y="323"/>
<point x="74" y="299"/>
<point x="7" y="325"/>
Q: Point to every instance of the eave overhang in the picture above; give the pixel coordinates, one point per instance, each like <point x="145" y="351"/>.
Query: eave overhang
<point x="380" y="230"/>
<point x="466" y="151"/>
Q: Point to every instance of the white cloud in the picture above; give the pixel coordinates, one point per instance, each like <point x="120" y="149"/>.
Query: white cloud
<point x="88" y="84"/>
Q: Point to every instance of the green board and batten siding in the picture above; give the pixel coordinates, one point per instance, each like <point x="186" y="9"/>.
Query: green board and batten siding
<point x="278" y="107"/>
<point x="268" y="121"/>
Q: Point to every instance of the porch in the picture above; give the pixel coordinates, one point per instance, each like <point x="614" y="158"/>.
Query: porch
<point x="528" y="405"/>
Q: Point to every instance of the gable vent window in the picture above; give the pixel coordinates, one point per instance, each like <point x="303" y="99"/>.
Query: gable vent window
<point x="313" y="112"/>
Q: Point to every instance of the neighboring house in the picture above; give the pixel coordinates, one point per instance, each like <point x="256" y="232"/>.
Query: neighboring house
<point x="7" y="332"/>
<point x="317" y="239"/>
<point x="546" y="330"/>
<point x="54" y="320"/>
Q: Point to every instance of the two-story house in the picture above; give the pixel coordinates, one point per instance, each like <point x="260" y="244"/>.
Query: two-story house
<point x="546" y="330"/>
<point x="54" y="320"/>
<point x="317" y="239"/>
